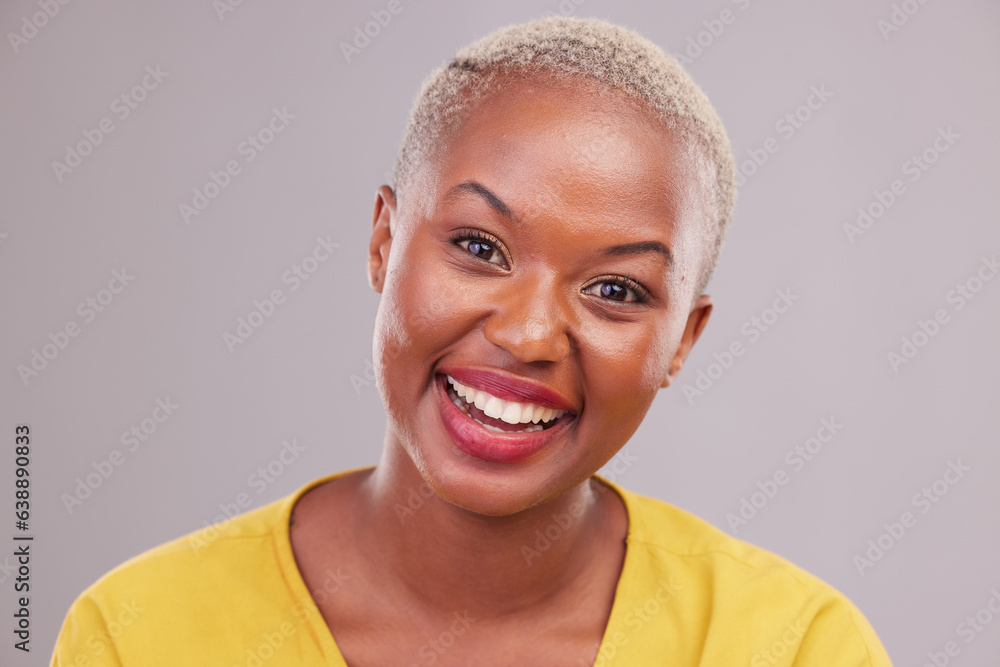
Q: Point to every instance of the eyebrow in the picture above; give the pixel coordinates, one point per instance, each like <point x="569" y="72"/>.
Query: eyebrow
<point x="642" y="247"/>
<point x="487" y="195"/>
<point x="621" y="250"/>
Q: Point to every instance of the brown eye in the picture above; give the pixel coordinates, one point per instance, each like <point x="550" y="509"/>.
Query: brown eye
<point x="482" y="250"/>
<point x="482" y="246"/>
<point x="621" y="289"/>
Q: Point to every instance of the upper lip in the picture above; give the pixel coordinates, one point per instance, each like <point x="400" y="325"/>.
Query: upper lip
<point x="510" y="387"/>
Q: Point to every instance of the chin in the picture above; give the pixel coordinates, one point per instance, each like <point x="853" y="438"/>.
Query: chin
<point x="495" y="490"/>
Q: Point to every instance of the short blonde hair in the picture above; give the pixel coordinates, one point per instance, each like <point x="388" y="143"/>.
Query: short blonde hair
<point x="590" y="48"/>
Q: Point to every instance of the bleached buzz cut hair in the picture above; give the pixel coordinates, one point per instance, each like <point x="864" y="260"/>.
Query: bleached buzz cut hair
<point x="566" y="47"/>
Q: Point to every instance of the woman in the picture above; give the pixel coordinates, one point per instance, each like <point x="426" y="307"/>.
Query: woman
<point x="563" y="189"/>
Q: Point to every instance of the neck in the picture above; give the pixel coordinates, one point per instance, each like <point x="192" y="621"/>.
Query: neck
<point x="453" y="559"/>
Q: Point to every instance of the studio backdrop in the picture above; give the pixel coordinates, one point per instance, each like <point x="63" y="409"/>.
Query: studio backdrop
<point x="186" y="322"/>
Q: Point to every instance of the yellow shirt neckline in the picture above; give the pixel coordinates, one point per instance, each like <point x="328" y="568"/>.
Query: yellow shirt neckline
<point x="322" y="632"/>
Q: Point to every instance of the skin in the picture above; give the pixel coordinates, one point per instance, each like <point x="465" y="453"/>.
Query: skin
<point x="578" y="169"/>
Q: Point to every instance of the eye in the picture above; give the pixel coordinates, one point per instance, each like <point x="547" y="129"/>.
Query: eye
<point x="618" y="288"/>
<point x="482" y="245"/>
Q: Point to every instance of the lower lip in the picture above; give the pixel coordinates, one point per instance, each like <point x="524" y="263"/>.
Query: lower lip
<point x="473" y="438"/>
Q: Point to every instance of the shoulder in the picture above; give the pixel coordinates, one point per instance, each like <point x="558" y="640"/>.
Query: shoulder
<point x="743" y="590"/>
<point x="184" y="568"/>
<point x="213" y="589"/>
<point x="208" y="549"/>
<point x="234" y="547"/>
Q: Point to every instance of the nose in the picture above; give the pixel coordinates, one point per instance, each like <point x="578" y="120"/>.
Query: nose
<point x="531" y="320"/>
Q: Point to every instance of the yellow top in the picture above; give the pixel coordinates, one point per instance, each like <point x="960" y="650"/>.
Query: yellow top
<point x="689" y="594"/>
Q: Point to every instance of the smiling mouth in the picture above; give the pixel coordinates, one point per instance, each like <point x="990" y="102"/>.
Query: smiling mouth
<point x="499" y="415"/>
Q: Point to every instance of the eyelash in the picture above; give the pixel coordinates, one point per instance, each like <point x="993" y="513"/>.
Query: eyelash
<point x="477" y="235"/>
<point x="642" y="295"/>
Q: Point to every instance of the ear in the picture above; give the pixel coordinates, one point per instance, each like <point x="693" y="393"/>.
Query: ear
<point x="697" y="319"/>
<point x="383" y="226"/>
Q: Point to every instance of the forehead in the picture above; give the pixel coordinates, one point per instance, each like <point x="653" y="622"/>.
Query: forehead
<point x="577" y="149"/>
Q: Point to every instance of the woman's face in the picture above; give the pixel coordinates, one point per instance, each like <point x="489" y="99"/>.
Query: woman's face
<point x="547" y="257"/>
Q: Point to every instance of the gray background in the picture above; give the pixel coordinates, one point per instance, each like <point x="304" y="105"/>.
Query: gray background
<point x="302" y="373"/>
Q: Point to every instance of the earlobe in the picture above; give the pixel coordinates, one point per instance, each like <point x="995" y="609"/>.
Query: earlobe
<point x="383" y="227"/>
<point x="697" y="319"/>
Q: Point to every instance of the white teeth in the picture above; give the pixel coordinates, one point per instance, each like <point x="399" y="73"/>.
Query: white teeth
<point x="494" y="407"/>
<point x="529" y="429"/>
<point x="490" y="427"/>
<point x="511" y="412"/>
<point x="527" y="410"/>
<point x="464" y="407"/>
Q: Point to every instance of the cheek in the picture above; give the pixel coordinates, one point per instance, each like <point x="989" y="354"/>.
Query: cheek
<point x="626" y="366"/>
<point x="417" y="314"/>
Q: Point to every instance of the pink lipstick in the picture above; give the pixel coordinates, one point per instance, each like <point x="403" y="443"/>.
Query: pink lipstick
<point x="493" y="444"/>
